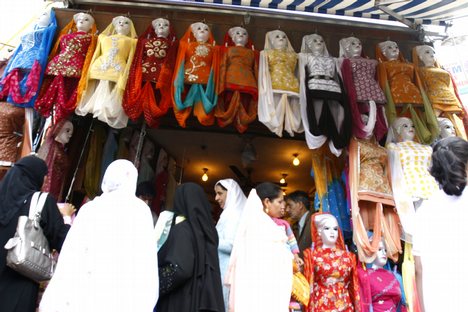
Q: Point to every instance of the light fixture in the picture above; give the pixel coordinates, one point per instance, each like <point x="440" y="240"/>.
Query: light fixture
<point x="296" y="160"/>
<point x="284" y="192"/>
<point x="205" y="176"/>
<point x="283" y="179"/>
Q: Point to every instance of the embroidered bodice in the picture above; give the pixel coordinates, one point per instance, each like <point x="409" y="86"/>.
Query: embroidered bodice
<point x="438" y="86"/>
<point x="240" y="65"/>
<point x="385" y="290"/>
<point x="367" y="88"/>
<point x="111" y="63"/>
<point x="198" y="59"/>
<point x="69" y="62"/>
<point x="282" y="65"/>
<point x="321" y="72"/>
<point x="155" y="51"/>
<point x="415" y="160"/>
<point x="373" y="163"/>
<point x="401" y="77"/>
<point x="30" y="49"/>
<point x="11" y="131"/>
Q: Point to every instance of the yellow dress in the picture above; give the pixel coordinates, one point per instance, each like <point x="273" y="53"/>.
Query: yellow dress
<point x="401" y="77"/>
<point x="282" y="65"/>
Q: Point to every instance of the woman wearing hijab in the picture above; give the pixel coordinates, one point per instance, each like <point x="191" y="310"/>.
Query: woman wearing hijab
<point x="109" y="260"/>
<point x="232" y="200"/>
<point x="188" y="261"/>
<point x="19" y="293"/>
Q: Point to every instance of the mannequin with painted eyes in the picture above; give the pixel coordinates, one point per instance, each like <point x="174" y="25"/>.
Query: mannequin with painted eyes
<point x="148" y="86"/>
<point x="194" y="81"/>
<point x="54" y="154"/>
<point x="237" y="86"/>
<point x="330" y="268"/>
<point x="323" y="103"/>
<point x="278" y="103"/>
<point x="380" y="289"/>
<point x="402" y="86"/>
<point x="69" y="61"/>
<point x="409" y="163"/>
<point x="446" y="128"/>
<point x="108" y="72"/>
<point x="372" y="203"/>
<point x="363" y="90"/>
<point x="439" y="87"/>
<point x="22" y="77"/>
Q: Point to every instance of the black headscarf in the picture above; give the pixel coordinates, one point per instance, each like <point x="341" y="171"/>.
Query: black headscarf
<point x="190" y="201"/>
<point x="19" y="184"/>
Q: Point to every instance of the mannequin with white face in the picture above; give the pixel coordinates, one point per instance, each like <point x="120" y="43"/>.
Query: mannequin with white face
<point x="161" y="27"/>
<point x="278" y="39"/>
<point x="65" y="133"/>
<point x="121" y="25"/>
<point x="352" y="47"/>
<point x="239" y="36"/>
<point x="390" y="50"/>
<point x="404" y="129"/>
<point x="328" y="231"/>
<point x="381" y="258"/>
<point x="446" y="128"/>
<point x="316" y="44"/>
<point x="44" y="19"/>
<point x="426" y="55"/>
<point x="83" y="21"/>
<point x="200" y="31"/>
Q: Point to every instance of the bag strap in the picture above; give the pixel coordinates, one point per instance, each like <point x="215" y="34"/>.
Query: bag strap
<point x="37" y="203"/>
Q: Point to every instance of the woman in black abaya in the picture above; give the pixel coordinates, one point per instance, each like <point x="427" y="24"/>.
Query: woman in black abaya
<point x="189" y="275"/>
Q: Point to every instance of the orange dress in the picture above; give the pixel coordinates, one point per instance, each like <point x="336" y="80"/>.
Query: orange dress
<point x="198" y="61"/>
<point x="401" y="77"/>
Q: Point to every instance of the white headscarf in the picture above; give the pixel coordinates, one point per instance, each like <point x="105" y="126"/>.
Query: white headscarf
<point x="108" y="261"/>
<point x="233" y="207"/>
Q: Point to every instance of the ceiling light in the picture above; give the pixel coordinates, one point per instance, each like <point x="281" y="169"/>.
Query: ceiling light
<point x="284" y="192"/>
<point x="283" y="178"/>
<point x="205" y="176"/>
<point x="296" y="160"/>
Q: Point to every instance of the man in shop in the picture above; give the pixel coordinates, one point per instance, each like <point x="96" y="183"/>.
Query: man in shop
<point x="298" y="208"/>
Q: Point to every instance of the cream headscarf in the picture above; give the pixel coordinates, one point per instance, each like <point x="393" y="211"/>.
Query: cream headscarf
<point x="233" y="207"/>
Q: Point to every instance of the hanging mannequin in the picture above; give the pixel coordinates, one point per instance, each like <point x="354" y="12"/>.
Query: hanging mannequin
<point x="237" y="86"/>
<point x="323" y="103"/>
<point x="107" y="76"/>
<point x="446" y="128"/>
<point x="195" y="77"/>
<point x="23" y="75"/>
<point x="409" y="163"/>
<point x="54" y="154"/>
<point x="440" y="87"/>
<point x="372" y="203"/>
<point x="402" y="85"/>
<point x="363" y="90"/>
<point x="69" y="62"/>
<point x="278" y="103"/>
<point x="148" y="86"/>
<point x="329" y="268"/>
<point x="380" y="289"/>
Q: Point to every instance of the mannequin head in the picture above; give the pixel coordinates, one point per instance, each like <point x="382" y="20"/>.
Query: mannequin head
<point x="200" y="31"/>
<point x="381" y="258"/>
<point x="239" y="36"/>
<point x="404" y="129"/>
<point x="327" y="228"/>
<point x="122" y="25"/>
<point x="65" y="132"/>
<point x="83" y="21"/>
<point x="446" y="128"/>
<point x="278" y="39"/>
<point x="390" y="50"/>
<point x="44" y="19"/>
<point x="221" y="194"/>
<point x="272" y="199"/>
<point x="426" y="54"/>
<point x="351" y="47"/>
<point x="161" y="27"/>
<point x="315" y="44"/>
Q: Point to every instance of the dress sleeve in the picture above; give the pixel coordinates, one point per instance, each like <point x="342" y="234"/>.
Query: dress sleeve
<point x="354" y="286"/>
<point x="52" y="224"/>
<point x="176" y="266"/>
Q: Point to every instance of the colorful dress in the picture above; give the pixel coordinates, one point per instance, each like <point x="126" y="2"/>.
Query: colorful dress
<point x="282" y="65"/>
<point x="11" y="133"/>
<point x="401" y="78"/>
<point x="334" y="284"/>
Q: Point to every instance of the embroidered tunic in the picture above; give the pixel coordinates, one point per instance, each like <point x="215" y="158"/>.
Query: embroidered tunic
<point x="401" y="77"/>
<point x="373" y="168"/>
<point x="30" y="49"/>
<point x="367" y="88"/>
<point x="69" y="62"/>
<point x="240" y="68"/>
<point x="198" y="61"/>
<point x="155" y="51"/>
<point x="11" y="132"/>
<point x="439" y="89"/>
<point x="321" y="70"/>
<point x="282" y="65"/>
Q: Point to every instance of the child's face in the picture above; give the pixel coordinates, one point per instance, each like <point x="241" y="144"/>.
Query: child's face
<point x="276" y="207"/>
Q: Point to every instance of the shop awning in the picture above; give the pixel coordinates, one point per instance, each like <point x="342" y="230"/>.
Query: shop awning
<point x="415" y="11"/>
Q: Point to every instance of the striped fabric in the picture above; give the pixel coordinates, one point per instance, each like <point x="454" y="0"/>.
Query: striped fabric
<point x="436" y="12"/>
